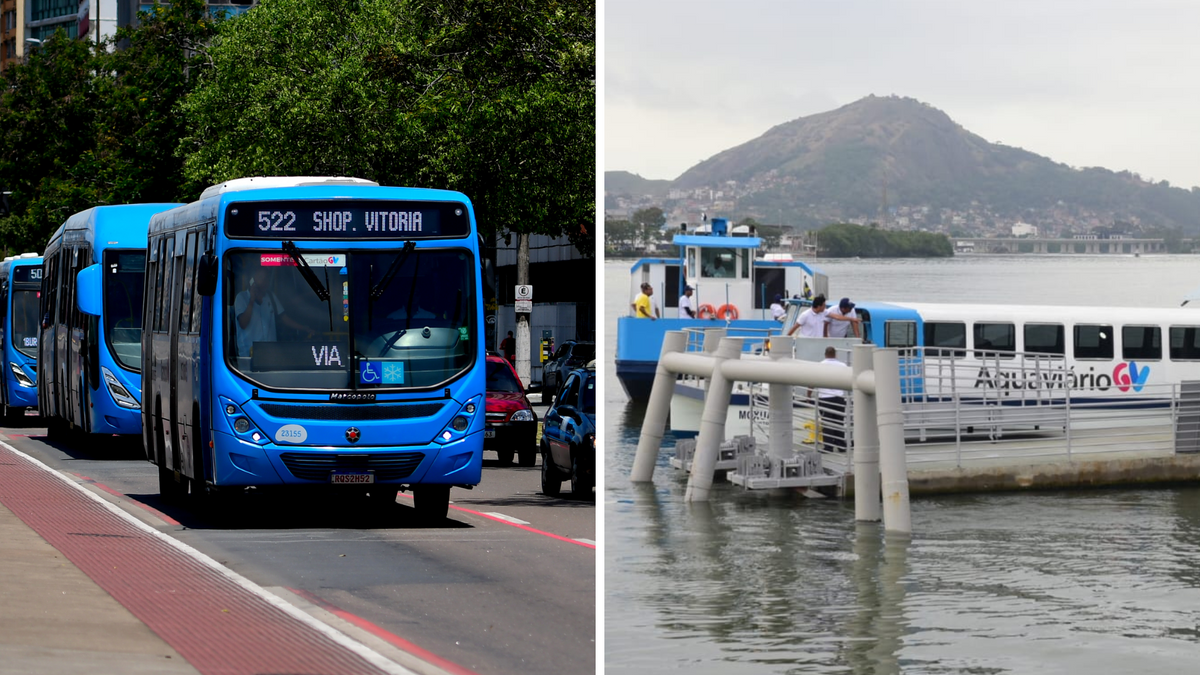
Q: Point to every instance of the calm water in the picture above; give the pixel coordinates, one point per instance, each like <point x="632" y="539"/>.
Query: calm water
<point x="1060" y="582"/>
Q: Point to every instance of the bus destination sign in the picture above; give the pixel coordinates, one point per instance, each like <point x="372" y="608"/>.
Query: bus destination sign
<point x="27" y="273"/>
<point x="346" y="219"/>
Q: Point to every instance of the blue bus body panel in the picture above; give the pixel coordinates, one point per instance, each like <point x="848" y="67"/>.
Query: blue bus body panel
<point x="239" y="459"/>
<point x="16" y="395"/>
<point x="110" y="227"/>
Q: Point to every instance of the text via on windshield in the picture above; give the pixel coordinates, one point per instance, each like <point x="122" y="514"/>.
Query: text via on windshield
<point x="346" y="219"/>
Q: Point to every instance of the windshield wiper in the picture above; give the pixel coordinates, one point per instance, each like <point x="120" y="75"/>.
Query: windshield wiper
<point x="306" y="271"/>
<point x="378" y="289"/>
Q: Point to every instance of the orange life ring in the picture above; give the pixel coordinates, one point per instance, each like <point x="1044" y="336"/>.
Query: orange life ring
<point x="727" y="313"/>
<point x="706" y="312"/>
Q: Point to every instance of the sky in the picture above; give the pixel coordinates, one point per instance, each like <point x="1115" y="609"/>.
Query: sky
<point x="1095" y="83"/>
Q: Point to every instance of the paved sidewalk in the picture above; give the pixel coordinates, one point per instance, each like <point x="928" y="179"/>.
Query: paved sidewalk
<point x="85" y="590"/>
<point x="55" y="620"/>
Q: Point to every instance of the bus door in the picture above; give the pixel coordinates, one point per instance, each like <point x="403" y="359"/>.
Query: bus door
<point x="74" y="340"/>
<point x="161" y="345"/>
<point x="184" y="353"/>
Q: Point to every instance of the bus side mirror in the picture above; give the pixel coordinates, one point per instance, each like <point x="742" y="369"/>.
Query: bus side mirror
<point x="206" y="275"/>
<point x="88" y="292"/>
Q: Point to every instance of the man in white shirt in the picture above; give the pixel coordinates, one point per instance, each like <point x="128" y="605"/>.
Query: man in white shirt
<point x="685" y="304"/>
<point x="842" y="319"/>
<point x="831" y="406"/>
<point x="811" y="321"/>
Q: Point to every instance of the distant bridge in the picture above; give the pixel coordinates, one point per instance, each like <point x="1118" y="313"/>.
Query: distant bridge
<point x="1035" y="245"/>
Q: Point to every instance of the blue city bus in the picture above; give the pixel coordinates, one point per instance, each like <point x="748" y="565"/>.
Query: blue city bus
<point x="89" y="350"/>
<point x="20" y="286"/>
<point x="320" y="332"/>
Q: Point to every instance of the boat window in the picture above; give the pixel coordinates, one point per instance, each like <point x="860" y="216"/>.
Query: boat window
<point x="1185" y="343"/>
<point x="690" y="272"/>
<point x="1093" y="342"/>
<point x="995" y="337"/>
<point x="744" y="263"/>
<point x="1141" y="342"/>
<point x="1045" y="338"/>
<point x="900" y="334"/>
<point x="717" y="263"/>
<point x="946" y="338"/>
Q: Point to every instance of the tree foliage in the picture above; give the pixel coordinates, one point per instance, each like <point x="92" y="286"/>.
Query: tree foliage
<point x="83" y="125"/>
<point x="847" y="240"/>
<point x="495" y="98"/>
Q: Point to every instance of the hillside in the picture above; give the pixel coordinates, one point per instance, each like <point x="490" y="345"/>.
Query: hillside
<point x="837" y="165"/>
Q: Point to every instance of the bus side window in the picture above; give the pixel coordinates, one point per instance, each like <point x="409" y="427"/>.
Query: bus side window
<point x="1141" y="342"/>
<point x="186" y="285"/>
<point x="197" y="301"/>
<point x="1045" y="338"/>
<point x="1093" y="342"/>
<point x="946" y="338"/>
<point x="1185" y="343"/>
<point x="1000" y="337"/>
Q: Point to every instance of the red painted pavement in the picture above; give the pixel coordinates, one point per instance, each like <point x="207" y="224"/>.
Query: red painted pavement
<point x="217" y="625"/>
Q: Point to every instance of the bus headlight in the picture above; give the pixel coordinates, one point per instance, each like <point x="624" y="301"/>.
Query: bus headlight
<point x="22" y="378"/>
<point x="241" y="424"/>
<point x="119" y="393"/>
<point x="460" y="423"/>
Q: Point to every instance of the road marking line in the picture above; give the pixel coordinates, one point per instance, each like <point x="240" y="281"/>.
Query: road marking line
<point x="508" y="519"/>
<point x="586" y="541"/>
<point x="157" y="514"/>
<point x="523" y="527"/>
<point x="371" y="656"/>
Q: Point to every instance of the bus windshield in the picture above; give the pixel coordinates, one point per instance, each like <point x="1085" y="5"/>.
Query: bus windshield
<point x="394" y="319"/>
<point x="124" y="272"/>
<point x="25" y="321"/>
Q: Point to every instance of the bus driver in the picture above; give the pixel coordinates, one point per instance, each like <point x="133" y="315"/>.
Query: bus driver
<point x="256" y="309"/>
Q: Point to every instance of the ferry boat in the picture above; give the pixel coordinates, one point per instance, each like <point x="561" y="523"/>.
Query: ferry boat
<point x="998" y="361"/>
<point x="733" y="287"/>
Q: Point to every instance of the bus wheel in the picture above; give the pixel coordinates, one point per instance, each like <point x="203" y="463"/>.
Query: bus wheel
<point x="432" y="502"/>
<point x="169" y="489"/>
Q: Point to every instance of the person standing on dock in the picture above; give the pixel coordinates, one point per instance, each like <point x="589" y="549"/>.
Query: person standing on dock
<point x="811" y="321"/>
<point x="831" y="409"/>
<point x="641" y="305"/>
<point x="842" y="319"/>
<point x="685" y="304"/>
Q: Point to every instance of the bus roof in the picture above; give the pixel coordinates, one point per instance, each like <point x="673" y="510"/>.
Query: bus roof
<point x="280" y="181"/>
<point x="122" y="225"/>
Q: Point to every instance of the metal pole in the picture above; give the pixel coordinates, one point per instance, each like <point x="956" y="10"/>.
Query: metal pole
<point x="892" y="462"/>
<point x="712" y="423"/>
<point x="655" y="421"/>
<point x="780" y="405"/>
<point x="866" y="442"/>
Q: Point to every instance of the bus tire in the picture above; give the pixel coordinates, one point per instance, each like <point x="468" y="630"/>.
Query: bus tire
<point x="432" y="503"/>
<point x="551" y="480"/>
<point x="706" y="312"/>
<point x="171" y="490"/>
<point x="727" y="313"/>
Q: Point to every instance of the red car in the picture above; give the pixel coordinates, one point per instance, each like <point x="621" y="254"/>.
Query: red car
<point x="511" y="423"/>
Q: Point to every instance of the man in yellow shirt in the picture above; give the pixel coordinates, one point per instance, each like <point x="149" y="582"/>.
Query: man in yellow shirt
<point x="641" y="304"/>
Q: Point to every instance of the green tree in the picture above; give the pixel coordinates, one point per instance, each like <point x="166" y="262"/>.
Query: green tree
<point x="648" y="221"/>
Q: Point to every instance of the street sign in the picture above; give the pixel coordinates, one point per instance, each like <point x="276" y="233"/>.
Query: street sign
<point x="524" y="292"/>
<point x="524" y="307"/>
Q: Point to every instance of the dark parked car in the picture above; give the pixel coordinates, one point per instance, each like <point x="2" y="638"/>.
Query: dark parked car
<point x="570" y="355"/>
<point x="569" y="436"/>
<point x="511" y="423"/>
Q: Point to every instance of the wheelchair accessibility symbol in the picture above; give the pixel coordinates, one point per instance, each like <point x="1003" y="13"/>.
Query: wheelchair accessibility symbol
<point x="370" y="372"/>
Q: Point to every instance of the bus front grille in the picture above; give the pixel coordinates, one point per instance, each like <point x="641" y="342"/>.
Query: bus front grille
<point x="386" y="465"/>
<point x="351" y="413"/>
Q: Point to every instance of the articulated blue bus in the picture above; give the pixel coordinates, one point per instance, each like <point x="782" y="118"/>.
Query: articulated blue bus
<point x="89" y="349"/>
<point x="20" y="286"/>
<point x="315" y="332"/>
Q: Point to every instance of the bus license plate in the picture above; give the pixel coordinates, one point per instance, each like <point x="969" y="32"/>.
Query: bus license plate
<point x="489" y="433"/>
<point x="349" y="478"/>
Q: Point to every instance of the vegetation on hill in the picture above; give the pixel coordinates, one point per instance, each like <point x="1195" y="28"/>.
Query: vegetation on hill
<point x="845" y="240"/>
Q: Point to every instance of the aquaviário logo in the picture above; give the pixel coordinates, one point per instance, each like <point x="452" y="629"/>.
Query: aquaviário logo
<point x="1128" y="375"/>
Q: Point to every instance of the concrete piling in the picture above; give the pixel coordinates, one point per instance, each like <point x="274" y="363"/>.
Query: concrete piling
<point x="712" y="422"/>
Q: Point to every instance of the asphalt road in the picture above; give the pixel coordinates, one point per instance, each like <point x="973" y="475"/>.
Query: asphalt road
<point x="506" y="585"/>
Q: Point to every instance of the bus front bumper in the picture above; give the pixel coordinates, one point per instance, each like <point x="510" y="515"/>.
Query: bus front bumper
<point x="240" y="463"/>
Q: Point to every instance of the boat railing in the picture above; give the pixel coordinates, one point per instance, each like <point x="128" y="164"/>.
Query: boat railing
<point x="1004" y="407"/>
